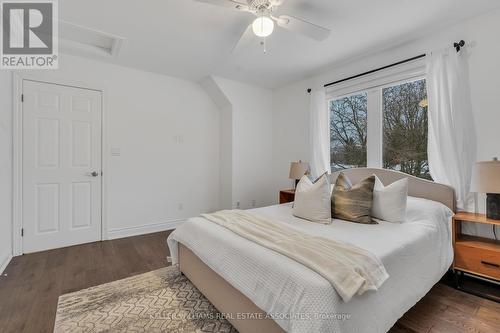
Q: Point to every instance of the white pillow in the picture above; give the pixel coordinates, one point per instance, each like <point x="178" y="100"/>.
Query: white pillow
<point x="389" y="202"/>
<point x="312" y="200"/>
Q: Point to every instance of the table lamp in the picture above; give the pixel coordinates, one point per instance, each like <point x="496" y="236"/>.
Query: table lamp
<point x="486" y="179"/>
<point x="297" y="170"/>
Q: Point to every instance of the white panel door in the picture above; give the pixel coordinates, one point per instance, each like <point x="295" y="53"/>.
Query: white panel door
<point x="61" y="189"/>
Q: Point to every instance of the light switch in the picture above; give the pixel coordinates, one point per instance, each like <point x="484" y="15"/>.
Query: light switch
<point x="116" y="152"/>
<point x="178" y="139"/>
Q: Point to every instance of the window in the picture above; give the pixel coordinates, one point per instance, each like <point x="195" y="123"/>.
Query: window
<point x="348" y="131"/>
<point x="405" y="128"/>
<point x="380" y="120"/>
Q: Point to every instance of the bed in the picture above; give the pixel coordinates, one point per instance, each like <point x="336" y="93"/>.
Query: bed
<point x="260" y="290"/>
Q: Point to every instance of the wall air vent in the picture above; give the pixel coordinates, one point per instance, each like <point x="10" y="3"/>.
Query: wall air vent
<point x="81" y="41"/>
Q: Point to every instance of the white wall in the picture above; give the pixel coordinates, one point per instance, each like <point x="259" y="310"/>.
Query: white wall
<point x="251" y="118"/>
<point x="291" y="102"/>
<point x="5" y="167"/>
<point x="225" y="141"/>
<point x="168" y="132"/>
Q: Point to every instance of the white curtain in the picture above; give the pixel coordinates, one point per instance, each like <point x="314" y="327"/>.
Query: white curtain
<point x="452" y="138"/>
<point x="319" y="133"/>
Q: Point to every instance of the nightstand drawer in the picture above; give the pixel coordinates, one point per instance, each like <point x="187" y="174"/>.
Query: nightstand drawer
<point x="477" y="260"/>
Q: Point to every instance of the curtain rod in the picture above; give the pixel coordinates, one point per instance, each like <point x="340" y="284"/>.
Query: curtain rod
<point x="375" y="70"/>
<point x="458" y="46"/>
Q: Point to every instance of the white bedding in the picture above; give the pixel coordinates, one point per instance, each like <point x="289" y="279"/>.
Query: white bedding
<point x="415" y="253"/>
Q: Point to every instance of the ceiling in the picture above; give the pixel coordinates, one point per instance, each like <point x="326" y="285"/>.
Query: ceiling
<point x="192" y="40"/>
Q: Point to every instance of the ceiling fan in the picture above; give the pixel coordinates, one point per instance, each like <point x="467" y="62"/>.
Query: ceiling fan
<point x="263" y="26"/>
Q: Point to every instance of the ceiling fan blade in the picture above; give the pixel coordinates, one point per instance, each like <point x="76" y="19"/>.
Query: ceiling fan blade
<point x="228" y="4"/>
<point x="246" y="39"/>
<point x="303" y="27"/>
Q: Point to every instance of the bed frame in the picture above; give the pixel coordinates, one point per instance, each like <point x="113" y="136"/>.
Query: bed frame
<point x="231" y="302"/>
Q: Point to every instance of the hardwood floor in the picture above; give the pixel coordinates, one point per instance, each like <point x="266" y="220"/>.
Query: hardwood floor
<point x="32" y="283"/>
<point x="29" y="292"/>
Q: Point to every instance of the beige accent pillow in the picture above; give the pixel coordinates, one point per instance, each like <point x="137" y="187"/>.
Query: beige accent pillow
<point x="353" y="203"/>
<point x="389" y="202"/>
<point x="312" y="200"/>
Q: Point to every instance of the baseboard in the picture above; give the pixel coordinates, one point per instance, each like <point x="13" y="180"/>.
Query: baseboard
<point x="144" y="229"/>
<point x="4" y="261"/>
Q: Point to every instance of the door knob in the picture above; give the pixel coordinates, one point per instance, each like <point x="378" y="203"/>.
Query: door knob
<point x="94" y="173"/>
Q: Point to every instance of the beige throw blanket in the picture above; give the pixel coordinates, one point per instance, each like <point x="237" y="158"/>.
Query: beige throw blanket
<point x="349" y="269"/>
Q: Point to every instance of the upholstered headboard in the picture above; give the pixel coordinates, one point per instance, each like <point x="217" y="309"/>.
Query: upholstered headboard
<point x="417" y="187"/>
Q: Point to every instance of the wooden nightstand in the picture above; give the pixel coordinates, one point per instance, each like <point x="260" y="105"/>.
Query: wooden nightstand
<point x="287" y="196"/>
<point x="475" y="255"/>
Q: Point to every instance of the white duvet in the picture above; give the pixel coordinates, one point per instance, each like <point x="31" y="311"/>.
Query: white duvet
<point x="416" y="254"/>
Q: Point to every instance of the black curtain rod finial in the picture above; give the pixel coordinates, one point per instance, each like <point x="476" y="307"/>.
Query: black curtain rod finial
<point x="459" y="45"/>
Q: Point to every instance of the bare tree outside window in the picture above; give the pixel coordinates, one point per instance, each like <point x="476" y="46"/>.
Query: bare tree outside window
<point x="348" y="132"/>
<point x="404" y="112"/>
<point x="405" y="128"/>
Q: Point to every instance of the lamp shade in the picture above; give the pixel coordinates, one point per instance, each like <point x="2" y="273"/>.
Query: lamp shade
<point x="486" y="177"/>
<point x="298" y="169"/>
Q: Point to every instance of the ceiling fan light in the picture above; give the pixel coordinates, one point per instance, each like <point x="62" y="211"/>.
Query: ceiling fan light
<point x="263" y="26"/>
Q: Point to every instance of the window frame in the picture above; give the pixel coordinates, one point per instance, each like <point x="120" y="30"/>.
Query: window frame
<point x="373" y="85"/>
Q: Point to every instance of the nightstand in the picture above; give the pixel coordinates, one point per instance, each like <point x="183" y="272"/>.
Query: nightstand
<point x="475" y="255"/>
<point x="287" y="196"/>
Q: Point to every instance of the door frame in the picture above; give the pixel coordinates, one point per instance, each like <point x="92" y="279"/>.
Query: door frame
<point x="17" y="149"/>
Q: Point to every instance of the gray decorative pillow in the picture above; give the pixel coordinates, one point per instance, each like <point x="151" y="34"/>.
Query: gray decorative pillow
<point x="353" y="203"/>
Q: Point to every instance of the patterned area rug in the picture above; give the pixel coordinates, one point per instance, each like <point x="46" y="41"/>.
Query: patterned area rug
<point x="158" y="301"/>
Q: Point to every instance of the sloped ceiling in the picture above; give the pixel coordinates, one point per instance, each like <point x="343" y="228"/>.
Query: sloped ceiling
<point x="192" y="40"/>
